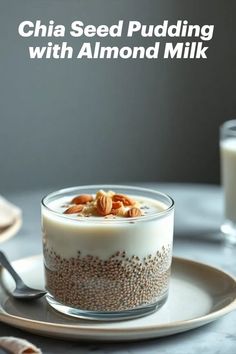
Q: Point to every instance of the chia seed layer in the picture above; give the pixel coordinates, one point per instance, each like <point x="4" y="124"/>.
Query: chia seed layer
<point x="116" y="284"/>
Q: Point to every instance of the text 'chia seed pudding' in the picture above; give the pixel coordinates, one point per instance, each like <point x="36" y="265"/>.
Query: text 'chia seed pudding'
<point x="107" y="250"/>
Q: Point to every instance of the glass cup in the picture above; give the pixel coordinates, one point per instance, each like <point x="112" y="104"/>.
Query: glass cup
<point x="228" y="176"/>
<point x="107" y="268"/>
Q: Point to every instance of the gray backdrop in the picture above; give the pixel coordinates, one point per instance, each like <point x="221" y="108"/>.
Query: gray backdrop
<point x="71" y="122"/>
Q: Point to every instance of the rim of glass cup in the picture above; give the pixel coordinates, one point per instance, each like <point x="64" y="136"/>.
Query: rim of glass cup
<point x="156" y="215"/>
<point x="229" y="126"/>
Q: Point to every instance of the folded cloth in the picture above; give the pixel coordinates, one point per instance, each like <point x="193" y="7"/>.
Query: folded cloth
<point x="8" y="213"/>
<point x="18" y="346"/>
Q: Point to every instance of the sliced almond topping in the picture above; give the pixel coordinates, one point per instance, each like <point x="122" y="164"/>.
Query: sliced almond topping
<point x="124" y="199"/>
<point x="119" y="212"/>
<point x="134" y="213"/>
<point x="74" y="209"/>
<point x="90" y="209"/>
<point x="104" y="205"/>
<point x="82" y="199"/>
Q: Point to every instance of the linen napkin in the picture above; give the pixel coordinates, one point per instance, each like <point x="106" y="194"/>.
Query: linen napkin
<point x="18" y="346"/>
<point x="8" y="214"/>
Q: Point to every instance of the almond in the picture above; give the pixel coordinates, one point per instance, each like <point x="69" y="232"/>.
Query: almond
<point x="117" y="205"/>
<point x="82" y="199"/>
<point x="124" y="199"/>
<point x="100" y="193"/>
<point x="134" y="213"/>
<point x="104" y="205"/>
<point x="110" y="193"/>
<point x="74" y="209"/>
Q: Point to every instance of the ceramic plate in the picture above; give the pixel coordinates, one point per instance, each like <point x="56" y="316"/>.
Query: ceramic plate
<point x="198" y="295"/>
<point x="11" y="230"/>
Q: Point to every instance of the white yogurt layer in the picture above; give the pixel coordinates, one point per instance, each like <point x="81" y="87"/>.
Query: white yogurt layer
<point x="67" y="234"/>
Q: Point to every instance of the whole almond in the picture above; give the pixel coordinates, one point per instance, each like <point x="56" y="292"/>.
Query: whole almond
<point x="127" y="201"/>
<point x="134" y="213"/>
<point x="104" y="205"/>
<point x="82" y="199"/>
<point x="74" y="209"/>
<point x="117" y="205"/>
<point x="100" y="193"/>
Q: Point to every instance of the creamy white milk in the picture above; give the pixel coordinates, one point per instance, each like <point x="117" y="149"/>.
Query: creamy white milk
<point x="228" y="171"/>
<point x="97" y="236"/>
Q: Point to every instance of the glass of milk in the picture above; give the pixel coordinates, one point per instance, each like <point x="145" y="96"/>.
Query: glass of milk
<point x="228" y="176"/>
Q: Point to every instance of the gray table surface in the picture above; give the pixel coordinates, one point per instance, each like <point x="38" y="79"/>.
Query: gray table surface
<point x="199" y="212"/>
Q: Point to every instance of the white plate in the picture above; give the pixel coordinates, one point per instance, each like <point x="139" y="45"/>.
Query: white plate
<point x="198" y="295"/>
<point x="11" y="230"/>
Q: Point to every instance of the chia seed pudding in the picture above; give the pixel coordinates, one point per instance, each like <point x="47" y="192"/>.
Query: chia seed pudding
<point x="107" y="250"/>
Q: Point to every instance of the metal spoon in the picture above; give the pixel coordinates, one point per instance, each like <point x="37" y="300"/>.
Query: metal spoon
<point x="21" y="291"/>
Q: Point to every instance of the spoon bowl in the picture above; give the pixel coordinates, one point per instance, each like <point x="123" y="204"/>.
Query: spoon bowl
<point x="27" y="293"/>
<point x="22" y="291"/>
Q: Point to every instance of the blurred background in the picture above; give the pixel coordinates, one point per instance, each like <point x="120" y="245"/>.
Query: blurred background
<point x="71" y="122"/>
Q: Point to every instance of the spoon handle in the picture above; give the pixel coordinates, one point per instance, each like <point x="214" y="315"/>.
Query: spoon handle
<point x="7" y="265"/>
